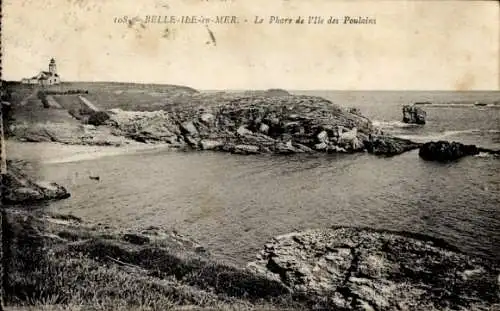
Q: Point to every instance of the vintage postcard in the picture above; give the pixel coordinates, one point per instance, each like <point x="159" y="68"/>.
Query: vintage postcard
<point x="250" y="155"/>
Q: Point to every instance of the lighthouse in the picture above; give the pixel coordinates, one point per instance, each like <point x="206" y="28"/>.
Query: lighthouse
<point x="45" y="77"/>
<point x="52" y="66"/>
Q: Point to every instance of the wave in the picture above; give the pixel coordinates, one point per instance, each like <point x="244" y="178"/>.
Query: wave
<point x="480" y="106"/>
<point x="445" y="134"/>
<point x="484" y="155"/>
<point x="392" y="124"/>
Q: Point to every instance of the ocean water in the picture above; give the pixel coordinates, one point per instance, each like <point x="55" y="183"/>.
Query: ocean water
<point x="233" y="204"/>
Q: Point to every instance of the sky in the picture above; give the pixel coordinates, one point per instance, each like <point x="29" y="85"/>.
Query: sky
<point x="414" y="45"/>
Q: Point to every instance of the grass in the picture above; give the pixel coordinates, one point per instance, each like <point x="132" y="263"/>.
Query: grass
<point x="127" y="96"/>
<point x="70" y="265"/>
<point x="130" y="96"/>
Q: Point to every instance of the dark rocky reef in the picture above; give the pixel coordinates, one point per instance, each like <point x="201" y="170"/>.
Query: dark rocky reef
<point x="364" y="269"/>
<point x="413" y="114"/>
<point x="18" y="188"/>
<point x="445" y="151"/>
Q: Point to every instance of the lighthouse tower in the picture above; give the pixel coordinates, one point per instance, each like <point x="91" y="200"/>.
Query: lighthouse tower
<point x="52" y="66"/>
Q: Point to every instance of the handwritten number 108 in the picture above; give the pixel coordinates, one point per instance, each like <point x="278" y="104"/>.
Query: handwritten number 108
<point x="121" y="20"/>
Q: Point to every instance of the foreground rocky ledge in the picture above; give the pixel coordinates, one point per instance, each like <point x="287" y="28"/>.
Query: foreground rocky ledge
<point x="363" y="269"/>
<point x="18" y="188"/>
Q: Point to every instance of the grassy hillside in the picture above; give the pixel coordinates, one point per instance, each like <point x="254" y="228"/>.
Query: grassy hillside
<point x="60" y="260"/>
<point x="108" y="95"/>
<point x="128" y="96"/>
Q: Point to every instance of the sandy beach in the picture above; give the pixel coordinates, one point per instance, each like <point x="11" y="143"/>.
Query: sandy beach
<point x="48" y="152"/>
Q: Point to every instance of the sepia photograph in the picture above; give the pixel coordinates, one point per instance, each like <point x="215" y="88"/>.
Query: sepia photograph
<point x="250" y="155"/>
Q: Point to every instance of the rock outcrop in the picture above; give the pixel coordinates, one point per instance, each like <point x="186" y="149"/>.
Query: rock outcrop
<point x="154" y="126"/>
<point x="413" y="114"/>
<point x="272" y="121"/>
<point x="444" y="151"/>
<point x="17" y="188"/>
<point x="257" y="124"/>
<point x="356" y="111"/>
<point x="363" y="269"/>
<point x="387" y="145"/>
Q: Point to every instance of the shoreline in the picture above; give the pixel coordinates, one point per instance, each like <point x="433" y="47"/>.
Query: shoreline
<point x="56" y="153"/>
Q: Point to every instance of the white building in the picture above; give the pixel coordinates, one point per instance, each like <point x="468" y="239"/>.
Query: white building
<point x="45" y="77"/>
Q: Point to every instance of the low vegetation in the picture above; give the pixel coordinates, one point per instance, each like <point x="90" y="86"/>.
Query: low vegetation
<point x="66" y="92"/>
<point x="98" y="118"/>
<point x="43" y="97"/>
<point x="58" y="260"/>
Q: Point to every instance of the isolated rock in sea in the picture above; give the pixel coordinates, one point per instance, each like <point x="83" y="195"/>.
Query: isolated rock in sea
<point x="18" y="188"/>
<point x="363" y="269"/>
<point x="444" y="151"/>
<point x="413" y="114"/>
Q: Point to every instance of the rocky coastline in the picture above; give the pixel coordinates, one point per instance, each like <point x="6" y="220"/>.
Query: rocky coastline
<point x="246" y="123"/>
<point x="50" y="256"/>
<point x="252" y="122"/>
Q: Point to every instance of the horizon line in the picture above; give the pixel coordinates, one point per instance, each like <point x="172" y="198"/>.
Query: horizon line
<point x="263" y="89"/>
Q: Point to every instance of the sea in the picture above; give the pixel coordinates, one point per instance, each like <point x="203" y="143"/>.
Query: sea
<point x="234" y="204"/>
